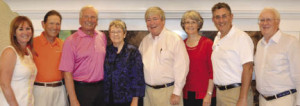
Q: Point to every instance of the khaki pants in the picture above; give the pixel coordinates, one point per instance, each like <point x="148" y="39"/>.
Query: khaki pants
<point x="288" y="100"/>
<point x="159" y="97"/>
<point x="50" y="96"/>
<point x="230" y="97"/>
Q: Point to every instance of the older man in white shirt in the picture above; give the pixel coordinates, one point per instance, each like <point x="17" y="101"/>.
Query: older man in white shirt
<point x="277" y="63"/>
<point x="166" y="62"/>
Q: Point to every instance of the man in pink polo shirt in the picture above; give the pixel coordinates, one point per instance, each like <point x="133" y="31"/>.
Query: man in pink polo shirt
<point x="82" y="61"/>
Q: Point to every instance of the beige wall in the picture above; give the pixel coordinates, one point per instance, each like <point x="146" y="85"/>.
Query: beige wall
<point x="5" y="18"/>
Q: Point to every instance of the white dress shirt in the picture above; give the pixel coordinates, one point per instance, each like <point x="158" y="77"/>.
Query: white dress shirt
<point x="277" y="65"/>
<point x="229" y="54"/>
<point x="165" y="60"/>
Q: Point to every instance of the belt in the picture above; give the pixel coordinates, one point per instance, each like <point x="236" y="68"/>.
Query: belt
<point x="226" y="87"/>
<point x="161" y="86"/>
<point x="279" y="95"/>
<point x="88" y="83"/>
<point x="56" y="84"/>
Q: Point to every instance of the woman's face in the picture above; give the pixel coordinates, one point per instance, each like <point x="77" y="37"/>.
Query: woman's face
<point x="116" y="35"/>
<point x="23" y="33"/>
<point x="191" y="26"/>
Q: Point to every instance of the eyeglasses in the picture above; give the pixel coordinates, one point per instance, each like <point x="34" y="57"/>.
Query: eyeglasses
<point x="190" y="22"/>
<point x="224" y="16"/>
<point x="115" y="32"/>
<point x="89" y="17"/>
<point x="268" y="20"/>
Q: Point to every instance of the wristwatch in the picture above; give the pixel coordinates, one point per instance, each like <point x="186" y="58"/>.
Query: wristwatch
<point x="209" y="93"/>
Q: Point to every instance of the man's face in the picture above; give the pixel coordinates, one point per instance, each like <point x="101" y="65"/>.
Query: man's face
<point x="268" y="24"/>
<point x="155" y="24"/>
<point x="88" y="20"/>
<point x="52" y="26"/>
<point x="222" y="19"/>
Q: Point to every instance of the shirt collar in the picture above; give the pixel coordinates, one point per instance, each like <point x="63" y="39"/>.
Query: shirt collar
<point x="230" y="33"/>
<point x="45" y="41"/>
<point x="159" y="36"/>
<point x="274" y="39"/>
<point x="82" y="34"/>
<point x="115" y="49"/>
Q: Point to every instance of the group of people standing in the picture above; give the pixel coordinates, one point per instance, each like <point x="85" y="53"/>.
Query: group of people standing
<point x="163" y="71"/>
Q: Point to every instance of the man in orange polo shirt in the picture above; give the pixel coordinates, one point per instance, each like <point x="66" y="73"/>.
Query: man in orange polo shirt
<point x="48" y="87"/>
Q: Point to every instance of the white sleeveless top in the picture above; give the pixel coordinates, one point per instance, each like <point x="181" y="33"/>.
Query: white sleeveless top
<point x="22" y="80"/>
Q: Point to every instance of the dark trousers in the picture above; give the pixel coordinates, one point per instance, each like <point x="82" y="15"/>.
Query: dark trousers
<point x="90" y="94"/>
<point x="192" y="101"/>
<point x="118" y="104"/>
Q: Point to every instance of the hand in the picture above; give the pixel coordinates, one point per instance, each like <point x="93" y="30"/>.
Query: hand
<point x="74" y="103"/>
<point x="14" y="104"/>
<point x="242" y="102"/>
<point x="207" y="100"/>
<point x="134" y="101"/>
<point x="175" y="99"/>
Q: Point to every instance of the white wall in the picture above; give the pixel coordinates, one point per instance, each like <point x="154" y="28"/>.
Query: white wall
<point x="132" y="12"/>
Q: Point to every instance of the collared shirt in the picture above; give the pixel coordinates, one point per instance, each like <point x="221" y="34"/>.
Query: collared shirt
<point x="123" y="74"/>
<point x="83" y="56"/>
<point x="47" y="56"/>
<point x="277" y="65"/>
<point x="229" y="54"/>
<point x="165" y="60"/>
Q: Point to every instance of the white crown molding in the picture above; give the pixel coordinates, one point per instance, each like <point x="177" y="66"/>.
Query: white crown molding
<point x="132" y="12"/>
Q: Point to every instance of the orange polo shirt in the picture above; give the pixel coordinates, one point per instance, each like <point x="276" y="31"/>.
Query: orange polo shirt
<point x="47" y="59"/>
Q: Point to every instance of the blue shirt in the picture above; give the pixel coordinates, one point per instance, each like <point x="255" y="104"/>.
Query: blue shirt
<point x="123" y="74"/>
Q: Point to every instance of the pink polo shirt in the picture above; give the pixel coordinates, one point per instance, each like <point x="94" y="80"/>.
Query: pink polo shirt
<point x="83" y="56"/>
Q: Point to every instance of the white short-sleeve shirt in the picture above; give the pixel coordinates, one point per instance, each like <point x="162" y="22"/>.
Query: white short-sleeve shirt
<point x="229" y="54"/>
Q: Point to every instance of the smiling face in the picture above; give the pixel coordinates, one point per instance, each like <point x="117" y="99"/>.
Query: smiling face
<point x="116" y="35"/>
<point x="23" y="33"/>
<point x="88" y="19"/>
<point x="268" y="23"/>
<point x="52" y="26"/>
<point x="191" y="26"/>
<point x="222" y="19"/>
<point x="155" y="24"/>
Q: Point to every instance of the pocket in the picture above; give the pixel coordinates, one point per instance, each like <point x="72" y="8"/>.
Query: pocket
<point x="278" y="59"/>
<point x="165" y="56"/>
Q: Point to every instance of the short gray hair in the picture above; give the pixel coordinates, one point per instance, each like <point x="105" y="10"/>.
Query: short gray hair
<point x="273" y="10"/>
<point x="88" y="7"/>
<point x="119" y="24"/>
<point x="155" y="11"/>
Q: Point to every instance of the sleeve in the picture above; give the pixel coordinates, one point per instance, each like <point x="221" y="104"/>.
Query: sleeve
<point x="67" y="57"/>
<point x="208" y="50"/>
<point x="181" y="66"/>
<point x="246" y="49"/>
<point x="137" y="75"/>
<point x="294" y="60"/>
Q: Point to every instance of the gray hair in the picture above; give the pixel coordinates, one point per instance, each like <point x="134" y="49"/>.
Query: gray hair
<point x="273" y="10"/>
<point x="155" y="11"/>
<point x="88" y="7"/>
<point x="119" y="24"/>
<point x="194" y="15"/>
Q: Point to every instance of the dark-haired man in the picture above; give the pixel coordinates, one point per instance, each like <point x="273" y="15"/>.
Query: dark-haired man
<point x="232" y="60"/>
<point x="48" y="87"/>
